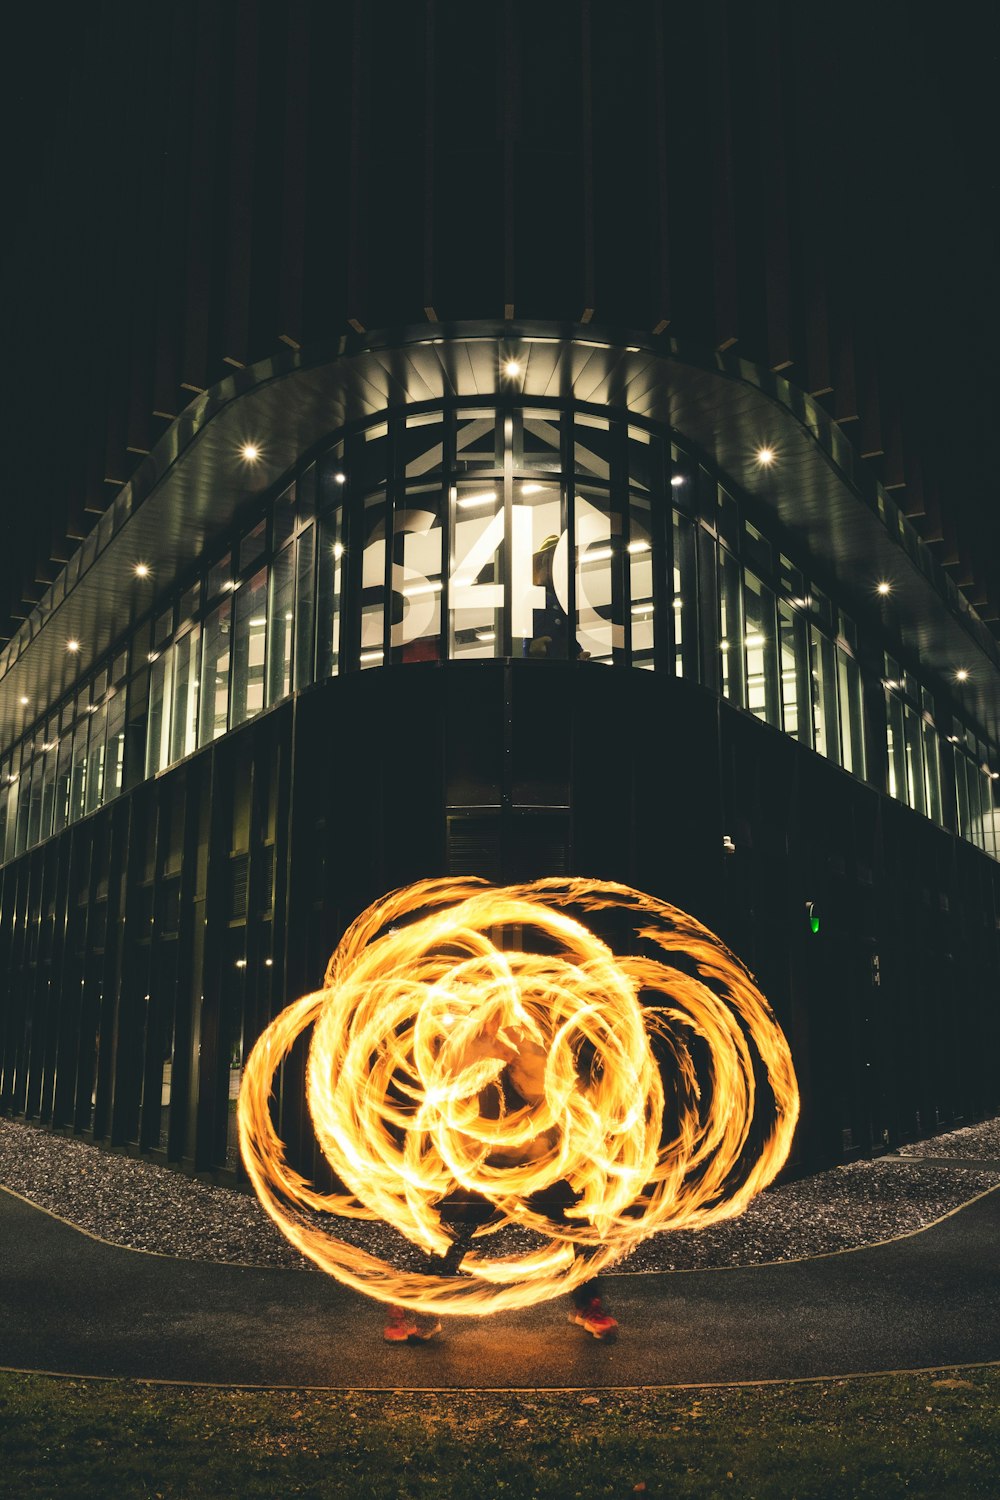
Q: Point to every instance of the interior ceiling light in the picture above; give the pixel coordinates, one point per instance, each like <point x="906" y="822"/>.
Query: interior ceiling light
<point x="250" y="453"/>
<point x="23" y="702"/>
<point x="676" y="480"/>
<point x="340" y="478"/>
<point x="883" y="588"/>
<point x="765" y="457"/>
<point x="511" y="368"/>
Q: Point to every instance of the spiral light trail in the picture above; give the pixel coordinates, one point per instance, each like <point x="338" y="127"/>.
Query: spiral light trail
<point x="643" y="1092"/>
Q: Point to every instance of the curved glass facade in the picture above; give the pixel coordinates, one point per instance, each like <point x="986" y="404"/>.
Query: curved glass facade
<point x="494" y="529"/>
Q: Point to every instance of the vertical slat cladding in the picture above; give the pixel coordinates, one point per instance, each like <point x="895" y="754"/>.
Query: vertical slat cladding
<point x="727" y="327"/>
<point x="145" y="86"/>
<point x="430" y="306"/>
<point x="777" y="266"/>
<point x="195" y="369"/>
<point x="293" y="198"/>
<point x="167" y="293"/>
<point x="587" y="173"/>
<point x="242" y="141"/>
<point x="507" y="105"/>
<point x="661" y="277"/>
<point x="356" y="228"/>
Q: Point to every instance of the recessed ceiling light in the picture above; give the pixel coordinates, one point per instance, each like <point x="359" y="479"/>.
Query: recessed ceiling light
<point x="142" y="570"/>
<point x="961" y="675"/>
<point x="72" y="645"/>
<point x="512" y="368"/>
<point x="883" y="588"/>
<point x="250" y="453"/>
<point x="765" y="457"/>
<point x="23" y="702"/>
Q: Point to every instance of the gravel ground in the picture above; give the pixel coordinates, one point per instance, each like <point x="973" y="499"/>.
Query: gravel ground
<point x="149" y="1207"/>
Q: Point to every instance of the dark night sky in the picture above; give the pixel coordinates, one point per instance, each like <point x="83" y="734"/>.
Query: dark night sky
<point x="909" y="159"/>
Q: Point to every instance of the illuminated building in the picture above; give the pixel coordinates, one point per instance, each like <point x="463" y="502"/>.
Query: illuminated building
<point x="524" y="583"/>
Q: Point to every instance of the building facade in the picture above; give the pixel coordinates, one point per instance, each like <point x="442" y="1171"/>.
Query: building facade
<point x="506" y="599"/>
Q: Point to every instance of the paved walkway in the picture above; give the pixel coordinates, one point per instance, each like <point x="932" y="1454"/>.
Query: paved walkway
<point x="71" y="1304"/>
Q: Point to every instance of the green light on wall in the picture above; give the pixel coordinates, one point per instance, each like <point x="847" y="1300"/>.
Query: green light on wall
<point x="812" y="912"/>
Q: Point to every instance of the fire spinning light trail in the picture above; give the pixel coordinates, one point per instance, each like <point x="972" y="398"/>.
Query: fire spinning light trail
<point x="443" y="1064"/>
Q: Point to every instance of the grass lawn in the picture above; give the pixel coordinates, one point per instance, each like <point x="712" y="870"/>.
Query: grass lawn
<point x="881" y="1436"/>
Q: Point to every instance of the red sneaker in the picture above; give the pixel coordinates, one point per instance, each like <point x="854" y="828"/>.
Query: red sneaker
<point x="401" y="1326"/>
<point x="595" y="1320"/>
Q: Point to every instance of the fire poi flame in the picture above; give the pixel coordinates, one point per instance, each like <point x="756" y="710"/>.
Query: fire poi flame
<point x="442" y="1063"/>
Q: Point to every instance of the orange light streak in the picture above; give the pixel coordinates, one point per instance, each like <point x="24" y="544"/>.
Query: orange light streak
<point x="658" y="1085"/>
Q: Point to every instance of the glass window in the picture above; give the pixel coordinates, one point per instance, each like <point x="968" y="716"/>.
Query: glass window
<point x="599" y="575"/>
<point x="644" y="457"/>
<point x="220" y="578"/>
<point x="761" y="655"/>
<point x="914" y="759"/>
<point x="35" y="801"/>
<point x="95" y="756"/>
<point x="796" y="695"/>
<point x="214" y="680"/>
<point x="252" y="546"/>
<point x="283" y="518"/>
<point x="371" y="468"/>
<point x="895" y="745"/>
<point x="592" y="438"/>
<point x="640" y="580"/>
<point x="826" y="723"/>
<point x="417" y="539"/>
<point x="51" y="753"/>
<point x="756" y="549"/>
<point x="249" y="640"/>
<point x="540" y="441"/>
<point x="163" y="628"/>
<point x="281" y="625"/>
<point x="684" y="601"/>
<point x="114" y="764"/>
<point x="932" y="772"/>
<point x="328" y="603"/>
<point x="423" y="445"/>
<point x="305" y="606"/>
<point x="190" y="603"/>
<point x="730" y="627"/>
<point x="78" y="781"/>
<point x="158" y="723"/>
<point x="540" y="572"/>
<point x="852" y="736"/>
<point x="478" y="441"/>
<point x="373" y="583"/>
<point x="476" y="578"/>
<point x="64" y="772"/>
<point x="184" y="732"/>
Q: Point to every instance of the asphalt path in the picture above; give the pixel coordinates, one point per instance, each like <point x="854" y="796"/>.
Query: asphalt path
<point x="73" y="1305"/>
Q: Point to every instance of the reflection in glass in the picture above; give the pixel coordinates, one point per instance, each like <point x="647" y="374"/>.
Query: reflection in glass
<point x="852" y="736"/>
<point x="640" y="581"/>
<point x="599" y="626"/>
<point x="158" y="726"/>
<point x="95" y="757"/>
<point x="761" y="657"/>
<point x="476" y="576"/>
<point x="249" y="639"/>
<point x="373" y="583"/>
<point x="280" y="627"/>
<point x="184" y="731"/>
<point x="305" y="607"/>
<point x="826" y="728"/>
<point x="416" y="578"/>
<point x="214" y="681"/>
<point x="795" y="678"/>
<point x="540" y="603"/>
<point x="330" y="592"/>
<point x="730" y="628"/>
